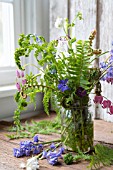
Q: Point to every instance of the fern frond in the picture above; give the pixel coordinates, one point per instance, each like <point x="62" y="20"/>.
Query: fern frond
<point x="46" y="99"/>
<point x="79" y="69"/>
<point x="103" y="156"/>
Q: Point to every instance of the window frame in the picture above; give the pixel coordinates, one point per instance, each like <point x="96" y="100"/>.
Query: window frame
<point x="26" y="21"/>
<point x="8" y="74"/>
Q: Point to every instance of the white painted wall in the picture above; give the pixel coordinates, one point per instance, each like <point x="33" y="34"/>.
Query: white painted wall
<point x="106" y="38"/>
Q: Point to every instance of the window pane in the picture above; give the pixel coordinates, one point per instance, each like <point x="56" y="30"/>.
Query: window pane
<point x="6" y="35"/>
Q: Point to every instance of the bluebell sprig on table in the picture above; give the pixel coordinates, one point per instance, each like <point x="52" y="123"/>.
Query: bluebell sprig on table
<point x="28" y="148"/>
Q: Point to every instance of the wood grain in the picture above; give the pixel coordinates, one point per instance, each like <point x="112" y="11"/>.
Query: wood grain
<point x="102" y="133"/>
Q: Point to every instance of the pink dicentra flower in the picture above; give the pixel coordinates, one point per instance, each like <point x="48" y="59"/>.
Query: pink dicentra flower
<point x="106" y="104"/>
<point x="18" y="74"/>
<point x="24" y="82"/>
<point x="18" y="86"/>
<point x="111" y="110"/>
<point x="98" y="99"/>
<point x="22" y="74"/>
<point x="109" y="80"/>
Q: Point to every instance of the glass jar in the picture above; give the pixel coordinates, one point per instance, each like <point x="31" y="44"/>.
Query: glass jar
<point x="77" y="127"/>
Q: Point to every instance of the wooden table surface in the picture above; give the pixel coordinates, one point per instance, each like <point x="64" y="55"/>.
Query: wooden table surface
<point x="102" y="132"/>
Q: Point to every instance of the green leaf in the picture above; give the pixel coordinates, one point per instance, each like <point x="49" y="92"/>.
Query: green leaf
<point x="103" y="156"/>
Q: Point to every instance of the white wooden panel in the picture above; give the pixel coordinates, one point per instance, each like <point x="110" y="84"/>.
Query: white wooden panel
<point x="84" y="27"/>
<point x="57" y="9"/>
<point x="106" y="37"/>
<point x="88" y="9"/>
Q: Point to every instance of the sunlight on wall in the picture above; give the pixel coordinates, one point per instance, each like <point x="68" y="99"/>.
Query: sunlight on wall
<point x="7" y="34"/>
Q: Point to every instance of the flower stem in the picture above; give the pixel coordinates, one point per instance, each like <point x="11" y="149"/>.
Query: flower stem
<point x="56" y="146"/>
<point x="28" y="64"/>
<point x="99" y="56"/>
<point x="48" y="142"/>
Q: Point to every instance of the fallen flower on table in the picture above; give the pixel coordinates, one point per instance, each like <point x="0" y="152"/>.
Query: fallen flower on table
<point x="52" y="146"/>
<point x="32" y="164"/>
<point x="35" y="138"/>
<point x="52" y="157"/>
<point x="36" y="148"/>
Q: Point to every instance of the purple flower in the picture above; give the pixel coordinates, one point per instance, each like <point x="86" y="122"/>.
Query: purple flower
<point x="27" y="152"/>
<point x="111" y="58"/>
<point x="18" y="74"/>
<point x="22" y="74"/>
<point x="51" y="154"/>
<point x="109" y="75"/>
<point x="40" y="147"/>
<point x="48" y="154"/>
<point x="18" y="86"/>
<point x="24" y="82"/>
<point x="61" y="150"/>
<point x="52" y="157"/>
<point x="44" y="154"/>
<point x="26" y="144"/>
<point x="53" y="161"/>
<point x="26" y="147"/>
<point x="111" y="110"/>
<point x="36" y="151"/>
<point x="35" y="138"/>
<point x="62" y="86"/>
<point x="110" y="80"/>
<point x="38" y="40"/>
<point x="106" y="104"/>
<point x="98" y="99"/>
<point x="52" y="146"/>
<point x="103" y="65"/>
<point x="59" y="154"/>
<point x="81" y="92"/>
<point x="17" y="152"/>
<point x="111" y="52"/>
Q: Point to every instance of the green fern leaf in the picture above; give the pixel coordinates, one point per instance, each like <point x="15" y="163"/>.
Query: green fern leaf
<point x="103" y="156"/>
<point x="46" y="98"/>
